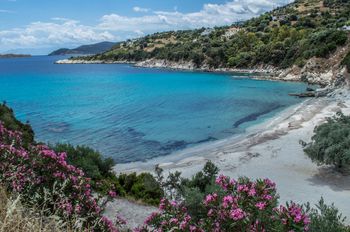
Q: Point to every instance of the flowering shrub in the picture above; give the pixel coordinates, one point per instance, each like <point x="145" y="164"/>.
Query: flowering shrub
<point x="45" y="179"/>
<point x="241" y="205"/>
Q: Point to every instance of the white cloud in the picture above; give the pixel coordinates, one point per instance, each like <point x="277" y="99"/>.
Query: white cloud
<point x="63" y="32"/>
<point x="48" y="34"/>
<point x="209" y="16"/>
<point x="140" y="9"/>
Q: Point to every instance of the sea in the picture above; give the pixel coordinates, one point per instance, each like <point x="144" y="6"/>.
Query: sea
<point x="135" y="114"/>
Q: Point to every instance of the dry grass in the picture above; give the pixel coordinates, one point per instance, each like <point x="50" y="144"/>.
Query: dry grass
<point x="15" y="218"/>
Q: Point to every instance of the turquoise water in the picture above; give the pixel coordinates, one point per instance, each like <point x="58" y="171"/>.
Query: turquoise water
<point x="134" y="114"/>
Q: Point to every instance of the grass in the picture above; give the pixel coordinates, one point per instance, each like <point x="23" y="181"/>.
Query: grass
<point x="14" y="217"/>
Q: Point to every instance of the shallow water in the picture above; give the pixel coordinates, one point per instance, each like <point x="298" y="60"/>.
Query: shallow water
<point x="134" y="114"/>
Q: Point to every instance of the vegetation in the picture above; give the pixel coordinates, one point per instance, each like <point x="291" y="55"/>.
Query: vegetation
<point x="207" y="202"/>
<point x="91" y="162"/>
<point x="283" y="37"/>
<point x="326" y="218"/>
<point x="44" y="187"/>
<point x="9" y="121"/>
<point x="331" y="143"/>
<point x="240" y="205"/>
<point x="45" y="180"/>
<point x="141" y="187"/>
<point x="16" y="218"/>
<point x="346" y="61"/>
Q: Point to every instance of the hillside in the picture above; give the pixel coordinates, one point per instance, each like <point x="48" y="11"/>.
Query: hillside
<point x="287" y="37"/>
<point x="85" y="49"/>
<point x="14" y="55"/>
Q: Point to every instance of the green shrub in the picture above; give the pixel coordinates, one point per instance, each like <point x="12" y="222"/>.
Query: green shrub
<point x="326" y="218"/>
<point x="142" y="187"/>
<point x="93" y="164"/>
<point x="9" y="120"/>
<point x="346" y="61"/>
<point x="331" y="143"/>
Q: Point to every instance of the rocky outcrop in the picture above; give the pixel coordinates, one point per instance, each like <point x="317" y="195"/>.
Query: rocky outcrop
<point x="81" y="61"/>
<point x="188" y="65"/>
<point x="325" y="72"/>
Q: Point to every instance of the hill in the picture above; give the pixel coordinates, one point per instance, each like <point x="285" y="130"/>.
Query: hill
<point x="14" y="55"/>
<point x="301" y="35"/>
<point x="85" y="49"/>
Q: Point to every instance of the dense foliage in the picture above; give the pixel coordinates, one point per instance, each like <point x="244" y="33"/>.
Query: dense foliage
<point x="96" y="167"/>
<point x="191" y="191"/>
<point x="45" y="180"/>
<point x="331" y="143"/>
<point x="241" y="205"/>
<point x="346" y="61"/>
<point x="9" y="121"/>
<point x="326" y="218"/>
<point x="286" y="36"/>
<point x="143" y="187"/>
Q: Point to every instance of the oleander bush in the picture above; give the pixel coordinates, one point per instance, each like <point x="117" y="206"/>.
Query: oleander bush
<point x="142" y="187"/>
<point x="45" y="180"/>
<point x="10" y="122"/>
<point x="241" y="205"/>
<point x="331" y="143"/>
<point x="93" y="164"/>
<point x="51" y="194"/>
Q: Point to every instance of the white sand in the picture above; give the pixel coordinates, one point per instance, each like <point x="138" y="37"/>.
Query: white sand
<point x="271" y="150"/>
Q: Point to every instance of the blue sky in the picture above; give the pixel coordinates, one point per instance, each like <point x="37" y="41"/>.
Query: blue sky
<point x="39" y="26"/>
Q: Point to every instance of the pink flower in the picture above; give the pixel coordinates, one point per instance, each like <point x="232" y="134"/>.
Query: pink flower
<point x="227" y="201"/>
<point x="174" y="220"/>
<point x="261" y="205"/>
<point x="252" y="192"/>
<point x="112" y="194"/>
<point x="210" y="198"/>
<point x="237" y="214"/>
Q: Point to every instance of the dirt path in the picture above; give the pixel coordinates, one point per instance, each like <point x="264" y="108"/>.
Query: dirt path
<point x="135" y="214"/>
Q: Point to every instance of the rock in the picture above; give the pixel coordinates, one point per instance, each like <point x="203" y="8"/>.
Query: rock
<point x="302" y="95"/>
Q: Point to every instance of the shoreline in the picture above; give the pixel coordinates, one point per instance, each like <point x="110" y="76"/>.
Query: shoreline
<point x="238" y="141"/>
<point x="270" y="149"/>
<point x="291" y="74"/>
<point x="269" y="73"/>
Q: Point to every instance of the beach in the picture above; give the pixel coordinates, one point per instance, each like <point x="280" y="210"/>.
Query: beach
<point x="271" y="150"/>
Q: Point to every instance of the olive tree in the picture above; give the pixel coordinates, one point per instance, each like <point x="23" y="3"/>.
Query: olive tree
<point x="331" y="143"/>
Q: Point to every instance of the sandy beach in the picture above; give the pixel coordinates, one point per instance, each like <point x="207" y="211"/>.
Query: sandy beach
<point x="270" y="150"/>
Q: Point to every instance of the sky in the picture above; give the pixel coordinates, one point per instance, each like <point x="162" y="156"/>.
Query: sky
<point x="41" y="26"/>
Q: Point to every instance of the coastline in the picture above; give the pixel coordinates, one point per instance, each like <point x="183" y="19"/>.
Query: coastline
<point x="272" y="150"/>
<point x="292" y="74"/>
<point x="268" y="73"/>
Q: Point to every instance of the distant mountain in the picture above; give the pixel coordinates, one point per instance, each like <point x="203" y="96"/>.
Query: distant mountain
<point x="85" y="49"/>
<point x="14" y="55"/>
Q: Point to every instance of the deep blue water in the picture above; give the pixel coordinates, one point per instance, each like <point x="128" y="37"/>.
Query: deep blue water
<point x="135" y="113"/>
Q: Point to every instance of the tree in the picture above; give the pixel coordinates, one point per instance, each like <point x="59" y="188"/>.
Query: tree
<point x="331" y="143"/>
<point x="326" y="218"/>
